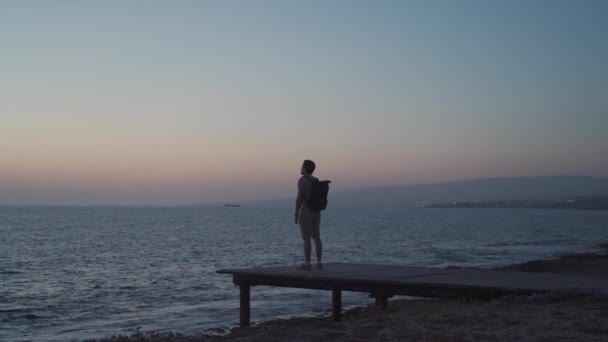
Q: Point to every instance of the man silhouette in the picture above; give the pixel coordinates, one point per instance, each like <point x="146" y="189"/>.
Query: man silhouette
<point x="308" y="219"/>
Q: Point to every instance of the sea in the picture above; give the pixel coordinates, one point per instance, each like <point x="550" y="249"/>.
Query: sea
<point x="75" y="273"/>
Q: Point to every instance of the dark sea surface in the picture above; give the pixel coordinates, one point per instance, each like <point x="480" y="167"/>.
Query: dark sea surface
<point x="75" y="273"/>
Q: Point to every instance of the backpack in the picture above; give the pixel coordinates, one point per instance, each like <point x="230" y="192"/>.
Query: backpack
<point x="318" y="194"/>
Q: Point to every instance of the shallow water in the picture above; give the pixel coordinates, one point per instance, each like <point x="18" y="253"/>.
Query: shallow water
<point x="74" y="273"/>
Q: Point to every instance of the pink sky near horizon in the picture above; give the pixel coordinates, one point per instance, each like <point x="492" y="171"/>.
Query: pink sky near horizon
<point x="124" y="158"/>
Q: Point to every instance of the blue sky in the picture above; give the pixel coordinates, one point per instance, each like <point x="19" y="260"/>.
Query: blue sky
<point x="160" y="102"/>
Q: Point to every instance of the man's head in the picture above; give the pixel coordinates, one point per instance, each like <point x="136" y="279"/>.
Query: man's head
<point x="308" y="167"/>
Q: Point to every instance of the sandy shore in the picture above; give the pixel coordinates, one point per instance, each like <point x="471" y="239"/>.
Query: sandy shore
<point x="565" y="316"/>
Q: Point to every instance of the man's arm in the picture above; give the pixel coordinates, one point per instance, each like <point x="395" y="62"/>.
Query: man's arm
<point x="299" y="201"/>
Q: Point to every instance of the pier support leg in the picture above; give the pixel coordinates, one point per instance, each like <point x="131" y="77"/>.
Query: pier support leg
<point x="336" y="308"/>
<point x="381" y="300"/>
<point x="244" y="308"/>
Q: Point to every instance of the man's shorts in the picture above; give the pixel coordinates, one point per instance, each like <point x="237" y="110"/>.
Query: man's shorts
<point x="310" y="228"/>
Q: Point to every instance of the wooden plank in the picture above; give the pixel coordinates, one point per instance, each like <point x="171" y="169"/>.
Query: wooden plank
<point x="406" y="289"/>
<point x="339" y="271"/>
<point x="362" y="277"/>
<point x="507" y="281"/>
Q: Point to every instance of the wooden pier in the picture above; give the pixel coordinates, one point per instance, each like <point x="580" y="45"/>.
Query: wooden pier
<point x="384" y="281"/>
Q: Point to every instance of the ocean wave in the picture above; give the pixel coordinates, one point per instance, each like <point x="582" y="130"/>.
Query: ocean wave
<point x="550" y="242"/>
<point x="10" y="272"/>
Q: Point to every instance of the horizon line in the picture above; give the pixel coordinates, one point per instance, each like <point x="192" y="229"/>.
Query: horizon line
<point x="276" y="199"/>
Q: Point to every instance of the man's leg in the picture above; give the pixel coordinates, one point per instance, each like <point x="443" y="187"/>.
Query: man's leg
<point x="316" y="235"/>
<point x="306" y="230"/>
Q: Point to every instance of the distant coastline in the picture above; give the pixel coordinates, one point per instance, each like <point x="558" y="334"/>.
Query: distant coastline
<point x="579" y="203"/>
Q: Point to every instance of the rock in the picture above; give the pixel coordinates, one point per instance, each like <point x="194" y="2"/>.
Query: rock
<point x="388" y="333"/>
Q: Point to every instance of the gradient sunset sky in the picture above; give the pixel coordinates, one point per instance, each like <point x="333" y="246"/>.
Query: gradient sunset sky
<point x="176" y="102"/>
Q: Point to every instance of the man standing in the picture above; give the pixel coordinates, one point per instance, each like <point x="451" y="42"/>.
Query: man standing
<point x="308" y="219"/>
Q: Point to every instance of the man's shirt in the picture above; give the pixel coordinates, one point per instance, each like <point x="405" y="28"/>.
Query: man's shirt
<point x="304" y="186"/>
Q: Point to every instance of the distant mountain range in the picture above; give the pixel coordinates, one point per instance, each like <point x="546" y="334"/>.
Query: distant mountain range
<point x="484" y="189"/>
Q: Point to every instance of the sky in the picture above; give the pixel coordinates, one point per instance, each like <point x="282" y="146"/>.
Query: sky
<point x="184" y="102"/>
